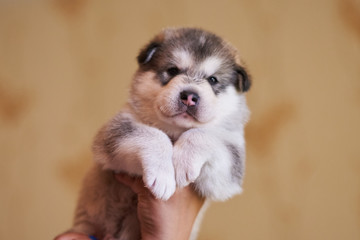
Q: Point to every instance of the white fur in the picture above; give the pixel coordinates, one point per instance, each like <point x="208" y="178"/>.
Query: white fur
<point x="183" y="59"/>
<point x="152" y="161"/>
<point x="210" y="65"/>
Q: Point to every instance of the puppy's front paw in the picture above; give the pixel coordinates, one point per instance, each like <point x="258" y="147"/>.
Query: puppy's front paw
<point x="161" y="181"/>
<point x="158" y="169"/>
<point x="187" y="167"/>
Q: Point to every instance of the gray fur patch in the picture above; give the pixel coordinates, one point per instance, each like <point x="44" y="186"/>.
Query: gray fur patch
<point x="237" y="170"/>
<point x="120" y="128"/>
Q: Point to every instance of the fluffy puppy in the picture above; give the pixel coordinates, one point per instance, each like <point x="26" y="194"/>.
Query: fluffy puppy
<point x="183" y="123"/>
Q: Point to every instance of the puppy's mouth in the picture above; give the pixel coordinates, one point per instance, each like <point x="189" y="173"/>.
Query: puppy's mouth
<point x="182" y="112"/>
<point x="185" y="115"/>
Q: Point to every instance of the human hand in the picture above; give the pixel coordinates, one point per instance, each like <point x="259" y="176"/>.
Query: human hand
<point x="159" y="220"/>
<point x="163" y="220"/>
<point x="73" y="236"/>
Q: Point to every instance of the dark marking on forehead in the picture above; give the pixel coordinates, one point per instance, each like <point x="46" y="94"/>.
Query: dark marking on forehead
<point x="159" y="56"/>
<point x="199" y="43"/>
<point x="196" y="42"/>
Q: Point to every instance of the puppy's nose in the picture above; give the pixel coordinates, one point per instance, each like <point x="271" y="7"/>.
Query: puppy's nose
<point x="189" y="98"/>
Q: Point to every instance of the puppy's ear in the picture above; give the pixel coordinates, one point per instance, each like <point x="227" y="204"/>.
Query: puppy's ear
<point x="243" y="82"/>
<point x="147" y="53"/>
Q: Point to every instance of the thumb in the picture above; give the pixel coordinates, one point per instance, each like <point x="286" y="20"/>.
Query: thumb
<point x="135" y="183"/>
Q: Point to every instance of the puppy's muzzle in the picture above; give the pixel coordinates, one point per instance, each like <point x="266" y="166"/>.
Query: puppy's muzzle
<point x="189" y="98"/>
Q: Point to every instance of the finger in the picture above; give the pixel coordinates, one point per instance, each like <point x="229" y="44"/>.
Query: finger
<point x="72" y="236"/>
<point x="135" y="183"/>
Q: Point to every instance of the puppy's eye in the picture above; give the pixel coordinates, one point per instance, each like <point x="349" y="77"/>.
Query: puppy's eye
<point x="173" y="71"/>
<point x="212" y="80"/>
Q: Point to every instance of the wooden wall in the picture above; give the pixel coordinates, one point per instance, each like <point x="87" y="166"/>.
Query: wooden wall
<point x="65" y="66"/>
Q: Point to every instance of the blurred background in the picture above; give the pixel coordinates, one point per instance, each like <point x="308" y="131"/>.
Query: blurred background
<point x="65" y="67"/>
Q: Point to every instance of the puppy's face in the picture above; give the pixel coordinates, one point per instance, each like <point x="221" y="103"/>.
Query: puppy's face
<point x="187" y="78"/>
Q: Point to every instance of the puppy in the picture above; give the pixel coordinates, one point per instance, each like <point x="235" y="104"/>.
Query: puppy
<point x="183" y="123"/>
